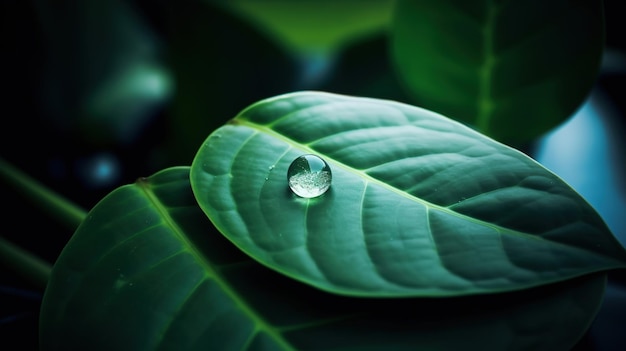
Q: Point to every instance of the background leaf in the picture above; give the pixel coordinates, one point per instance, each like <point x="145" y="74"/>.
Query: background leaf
<point x="420" y="205"/>
<point x="147" y="271"/>
<point x="215" y="73"/>
<point x="313" y="26"/>
<point x="364" y="68"/>
<point x="511" y="69"/>
<point x="104" y="73"/>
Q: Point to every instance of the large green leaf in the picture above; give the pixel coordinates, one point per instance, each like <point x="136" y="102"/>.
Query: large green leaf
<point x="420" y="205"/>
<point x="512" y="69"/>
<point x="147" y="271"/>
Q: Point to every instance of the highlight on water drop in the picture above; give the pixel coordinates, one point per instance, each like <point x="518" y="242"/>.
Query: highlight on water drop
<point x="309" y="176"/>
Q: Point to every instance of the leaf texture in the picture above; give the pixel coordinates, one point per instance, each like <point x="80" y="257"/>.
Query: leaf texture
<point x="147" y="271"/>
<point x="420" y="205"/>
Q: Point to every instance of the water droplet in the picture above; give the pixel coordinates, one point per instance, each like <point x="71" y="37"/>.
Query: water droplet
<point x="309" y="176"/>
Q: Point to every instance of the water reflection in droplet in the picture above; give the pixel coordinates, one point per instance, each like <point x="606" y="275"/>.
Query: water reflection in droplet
<point x="309" y="176"/>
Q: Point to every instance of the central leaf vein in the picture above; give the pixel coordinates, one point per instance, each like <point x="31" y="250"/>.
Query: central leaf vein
<point x="269" y="131"/>
<point x="211" y="271"/>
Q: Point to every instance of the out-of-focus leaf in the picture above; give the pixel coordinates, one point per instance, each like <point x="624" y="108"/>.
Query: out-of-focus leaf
<point x="147" y="271"/>
<point x="314" y="26"/>
<point x="364" y="68"/>
<point x="104" y="77"/>
<point x="219" y="63"/>
<point x="511" y="69"/>
<point x="128" y="100"/>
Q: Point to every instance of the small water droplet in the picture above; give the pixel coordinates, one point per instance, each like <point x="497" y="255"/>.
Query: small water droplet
<point x="309" y="176"/>
<point x="271" y="167"/>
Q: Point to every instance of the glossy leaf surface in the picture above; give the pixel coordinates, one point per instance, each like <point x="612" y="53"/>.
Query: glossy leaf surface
<point x="147" y="271"/>
<point x="420" y="205"/>
<point x="512" y="69"/>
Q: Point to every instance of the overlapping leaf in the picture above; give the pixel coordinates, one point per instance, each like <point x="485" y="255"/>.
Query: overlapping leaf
<point x="512" y="69"/>
<point x="147" y="271"/>
<point x="420" y="205"/>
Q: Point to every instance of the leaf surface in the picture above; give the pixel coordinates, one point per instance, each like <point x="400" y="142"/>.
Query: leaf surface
<point x="147" y="271"/>
<point x="420" y="205"/>
<point x="511" y="69"/>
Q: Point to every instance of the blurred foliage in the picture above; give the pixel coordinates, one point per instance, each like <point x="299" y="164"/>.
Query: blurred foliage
<point x="147" y="81"/>
<point x="306" y="27"/>
<point x="103" y="74"/>
<point x="219" y="64"/>
<point x="122" y="88"/>
<point x="511" y="69"/>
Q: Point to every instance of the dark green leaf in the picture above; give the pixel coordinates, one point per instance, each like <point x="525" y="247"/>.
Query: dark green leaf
<point x="147" y="271"/>
<point x="512" y="69"/>
<point x="219" y="63"/>
<point x="314" y="27"/>
<point x="420" y="205"/>
<point x="363" y="68"/>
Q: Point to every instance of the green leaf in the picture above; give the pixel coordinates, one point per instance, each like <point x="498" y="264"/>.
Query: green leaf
<point x="314" y="27"/>
<point x="147" y="271"/>
<point x="219" y="63"/>
<point x="364" y="69"/>
<point x="420" y="205"/>
<point x="511" y="69"/>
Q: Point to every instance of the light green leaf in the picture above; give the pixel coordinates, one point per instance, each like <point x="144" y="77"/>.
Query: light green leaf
<point x="511" y="69"/>
<point x="147" y="271"/>
<point x="420" y="205"/>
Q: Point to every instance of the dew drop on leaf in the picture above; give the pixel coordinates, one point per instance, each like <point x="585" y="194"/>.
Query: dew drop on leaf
<point x="309" y="176"/>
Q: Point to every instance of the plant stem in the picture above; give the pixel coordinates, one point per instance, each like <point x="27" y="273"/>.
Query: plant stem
<point x="27" y="265"/>
<point x="60" y="208"/>
<point x="19" y="260"/>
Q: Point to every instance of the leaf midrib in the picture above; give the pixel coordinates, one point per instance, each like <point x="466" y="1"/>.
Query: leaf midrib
<point x="260" y="323"/>
<point x="429" y="205"/>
